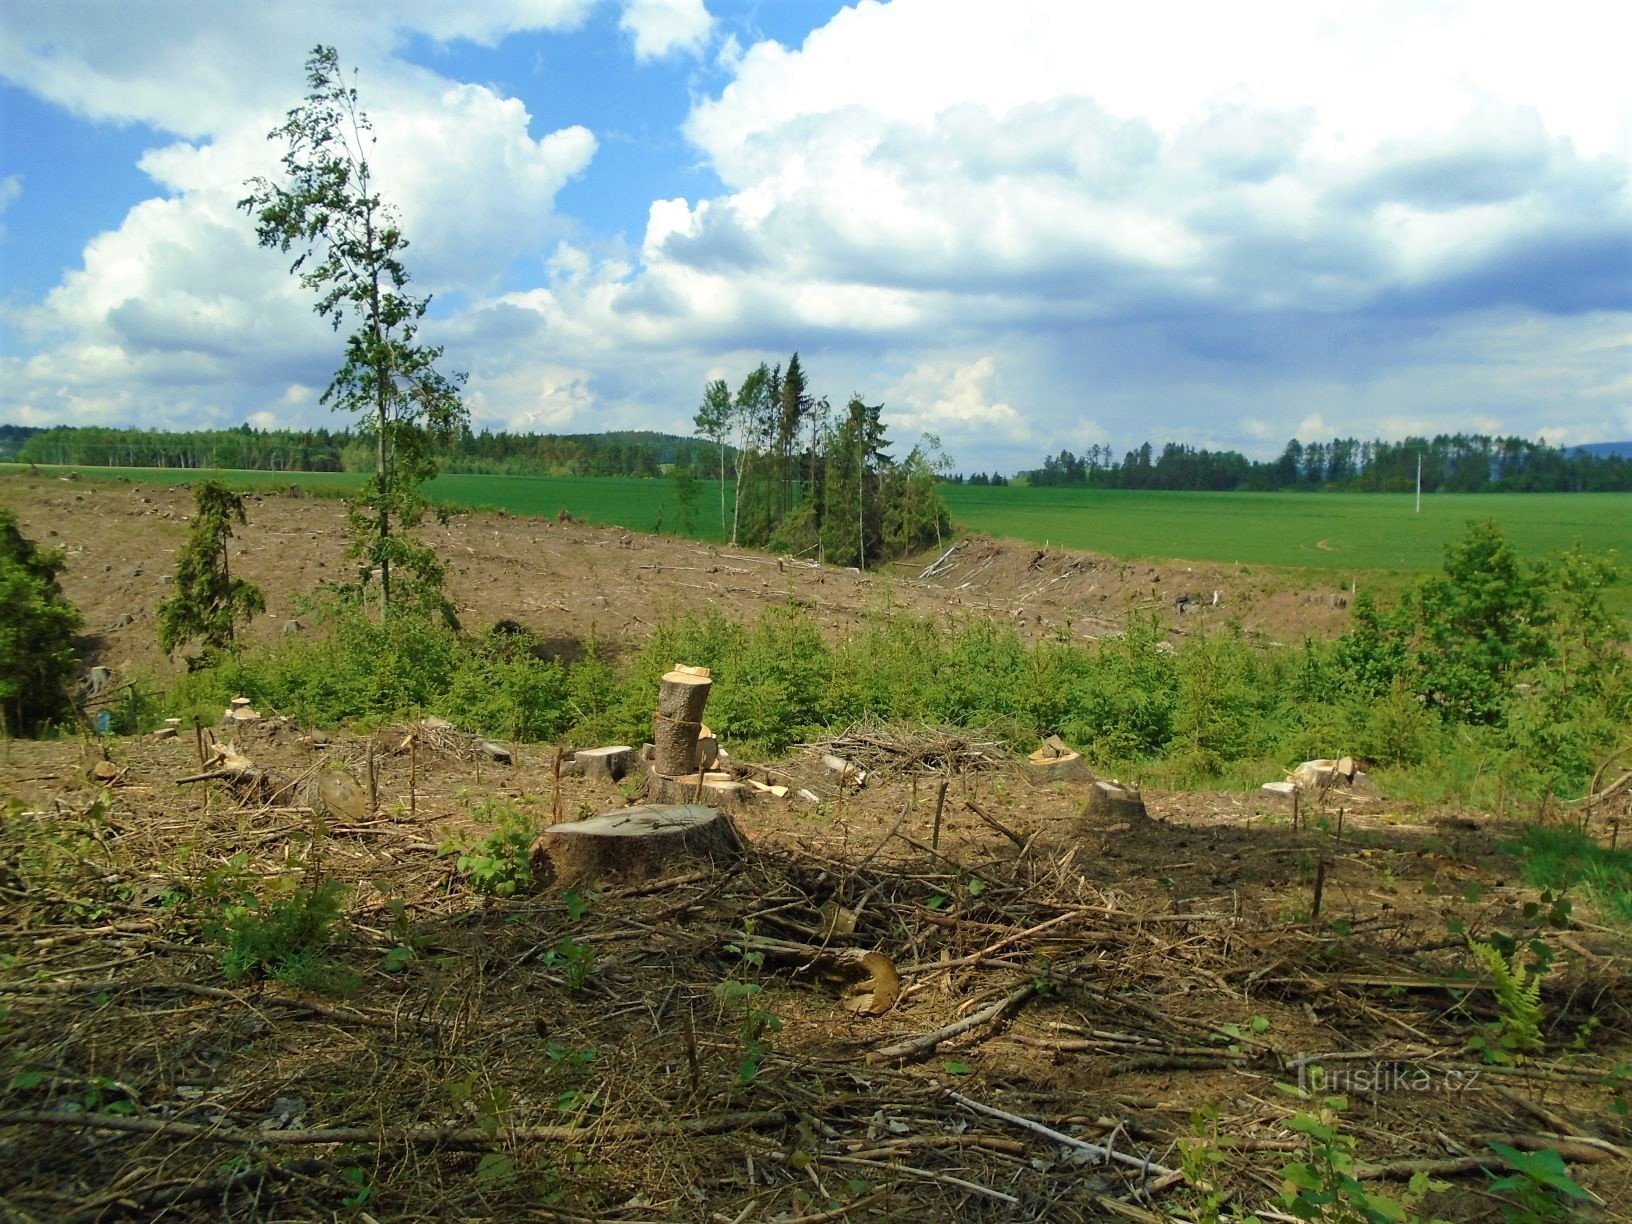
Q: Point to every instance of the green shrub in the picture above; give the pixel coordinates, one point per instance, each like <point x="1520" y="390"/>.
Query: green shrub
<point x="37" y="627"/>
<point x="285" y="936"/>
<point x="500" y="865"/>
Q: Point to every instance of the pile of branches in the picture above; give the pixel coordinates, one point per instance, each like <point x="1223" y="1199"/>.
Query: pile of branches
<point x="914" y="748"/>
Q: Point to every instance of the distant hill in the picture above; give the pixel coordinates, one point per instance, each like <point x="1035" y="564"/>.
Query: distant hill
<point x="1602" y="450"/>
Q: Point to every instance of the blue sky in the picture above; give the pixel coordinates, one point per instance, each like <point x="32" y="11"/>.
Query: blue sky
<point x="1024" y="226"/>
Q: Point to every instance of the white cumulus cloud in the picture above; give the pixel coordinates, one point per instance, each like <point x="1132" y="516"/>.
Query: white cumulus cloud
<point x="661" y="27"/>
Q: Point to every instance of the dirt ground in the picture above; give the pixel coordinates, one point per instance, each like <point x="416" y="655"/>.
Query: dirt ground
<point x="563" y="580"/>
<point x="692" y="1046"/>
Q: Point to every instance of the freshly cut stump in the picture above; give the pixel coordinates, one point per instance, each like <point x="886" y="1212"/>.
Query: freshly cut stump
<point x="718" y="789"/>
<point x="610" y="763"/>
<point x="1109" y="804"/>
<point x="1046" y="765"/>
<point x="679" y="719"/>
<point x="634" y="844"/>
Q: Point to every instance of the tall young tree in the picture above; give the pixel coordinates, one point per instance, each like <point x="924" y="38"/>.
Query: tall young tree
<point x="793" y="405"/>
<point x="713" y="421"/>
<point x="207" y="602"/>
<point x="751" y="413"/>
<point x="350" y="246"/>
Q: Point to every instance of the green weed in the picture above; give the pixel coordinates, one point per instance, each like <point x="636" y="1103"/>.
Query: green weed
<point x="285" y="935"/>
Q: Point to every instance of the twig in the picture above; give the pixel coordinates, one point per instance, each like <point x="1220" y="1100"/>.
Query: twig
<point x="996" y="824"/>
<point x="406" y="1136"/>
<point x="1093" y="1149"/>
<point x="919" y="1047"/>
<point x="945" y="1179"/>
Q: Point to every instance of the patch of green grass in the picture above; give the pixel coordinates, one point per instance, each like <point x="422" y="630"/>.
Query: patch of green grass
<point x="1328" y="531"/>
<point x="1559" y="858"/>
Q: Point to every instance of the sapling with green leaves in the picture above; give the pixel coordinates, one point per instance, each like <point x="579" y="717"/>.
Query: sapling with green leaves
<point x="208" y="602"/>
<point x="350" y="244"/>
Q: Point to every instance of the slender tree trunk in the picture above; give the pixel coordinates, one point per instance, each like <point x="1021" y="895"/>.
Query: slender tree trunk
<point x="720" y="443"/>
<point x="382" y="454"/>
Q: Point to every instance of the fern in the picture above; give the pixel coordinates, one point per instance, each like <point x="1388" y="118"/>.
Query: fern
<point x="1518" y="997"/>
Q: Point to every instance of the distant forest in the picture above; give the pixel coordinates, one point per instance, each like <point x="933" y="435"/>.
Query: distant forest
<point x="627" y="453"/>
<point x="1451" y="463"/>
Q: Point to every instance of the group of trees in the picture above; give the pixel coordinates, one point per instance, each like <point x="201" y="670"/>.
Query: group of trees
<point x="618" y="453"/>
<point x="1451" y="463"/>
<point x="798" y="477"/>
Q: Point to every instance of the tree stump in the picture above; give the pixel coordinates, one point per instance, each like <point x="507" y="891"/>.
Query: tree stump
<point x="679" y="719"/>
<point x="1055" y="762"/>
<point x="634" y="844"/>
<point x="609" y="764"/>
<point x="721" y="790"/>
<point x="1111" y="803"/>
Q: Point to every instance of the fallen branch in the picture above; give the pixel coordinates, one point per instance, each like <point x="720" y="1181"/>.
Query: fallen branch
<point x="1102" y="1154"/>
<point x="919" y="1047"/>
<point x="402" y="1136"/>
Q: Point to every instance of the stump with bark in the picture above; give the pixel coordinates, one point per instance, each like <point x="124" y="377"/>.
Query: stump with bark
<point x="610" y="764"/>
<point x="678" y="721"/>
<point x="717" y="789"/>
<point x="1055" y="761"/>
<point x="1110" y="804"/>
<point x="634" y="844"/>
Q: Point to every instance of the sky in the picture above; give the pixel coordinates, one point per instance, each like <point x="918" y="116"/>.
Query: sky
<point x="1025" y="226"/>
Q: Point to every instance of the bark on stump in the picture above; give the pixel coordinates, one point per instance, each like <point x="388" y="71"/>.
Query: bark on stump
<point x="634" y="844"/>
<point x="1109" y="804"/>
<point x="610" y="763"/>
<point x="679" y="719"/>
<point x="722" y="790"/>
<point x="1049" y="765"/>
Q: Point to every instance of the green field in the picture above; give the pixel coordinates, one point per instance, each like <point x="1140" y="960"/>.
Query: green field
<point x="1340" y="532"/>
<point x="1335" y="531"/>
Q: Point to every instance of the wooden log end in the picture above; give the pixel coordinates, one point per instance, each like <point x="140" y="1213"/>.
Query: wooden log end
<point x="635" y="844"/>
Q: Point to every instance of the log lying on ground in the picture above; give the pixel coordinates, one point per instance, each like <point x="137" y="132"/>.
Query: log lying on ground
<point x="239" y="775"/>
<point x="678" y="722"/>
<point x="609" y="764"/>
<point x="634" y="844"/>
<point x="1111" y="803"/>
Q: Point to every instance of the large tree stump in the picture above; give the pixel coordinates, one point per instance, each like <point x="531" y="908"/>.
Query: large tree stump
<point x="1109" y="804"/>
<point x="609" y="764"/>
<point x="633" y="844"/>
<point x="1056" y="762"/>
<point x="721" y="790"/>
<point x="679" y="719"/>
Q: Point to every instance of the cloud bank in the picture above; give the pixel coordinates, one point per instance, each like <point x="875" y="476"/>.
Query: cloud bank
<point x="1023" y="226"/>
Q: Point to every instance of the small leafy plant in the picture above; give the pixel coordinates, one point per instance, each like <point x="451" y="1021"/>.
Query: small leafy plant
<point x="284" y="936"/>
<point x="1323" y="1185"/>
<point x="1540" y="1188"/>
<point x="1517" y="1031"/>
<point x="575" y="959"/>
<point x="756" y="1026"/>
<point x="500" y="864"/>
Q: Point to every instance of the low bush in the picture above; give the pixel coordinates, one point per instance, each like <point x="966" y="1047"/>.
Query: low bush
<point x="1530" y="716"/>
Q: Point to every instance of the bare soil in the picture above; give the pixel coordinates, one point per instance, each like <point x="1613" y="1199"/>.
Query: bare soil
<point x="565" y="580"/>
<point x="672" y="1049"/>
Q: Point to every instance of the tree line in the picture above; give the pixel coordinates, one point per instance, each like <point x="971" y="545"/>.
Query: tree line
<point x="798" y="477"/>
<point x="619" y="453"/>
<point x="1450" y="463"/>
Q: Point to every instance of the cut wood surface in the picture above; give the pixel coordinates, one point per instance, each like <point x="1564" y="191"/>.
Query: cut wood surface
<point x="676" y="726"/>
<point x="610" y="763"/>
<point x="1112" y="803"/>
<point x="635" y="843"/>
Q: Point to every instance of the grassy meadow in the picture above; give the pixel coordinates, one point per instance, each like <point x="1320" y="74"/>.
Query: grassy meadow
<point x="1341" y="532"/>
